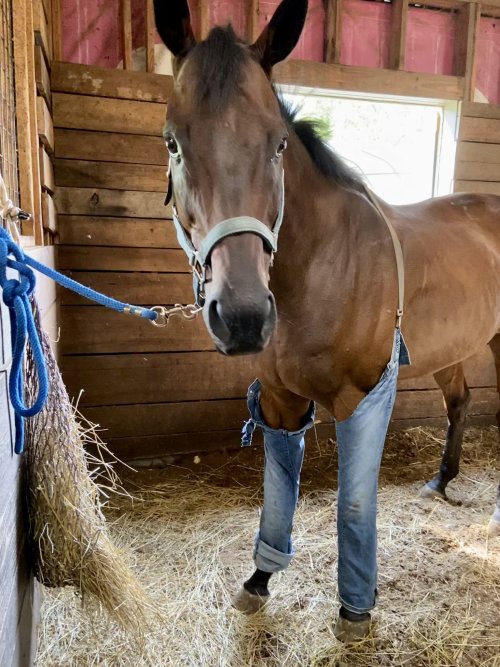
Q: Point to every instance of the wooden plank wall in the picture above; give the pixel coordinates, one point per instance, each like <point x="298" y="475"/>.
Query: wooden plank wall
<point x="477" y="167"/>
<point x="156" y="391"/>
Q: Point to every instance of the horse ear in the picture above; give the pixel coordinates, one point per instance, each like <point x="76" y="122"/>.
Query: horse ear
<point x="173" y="23"/>
<point x="281" y="34"/>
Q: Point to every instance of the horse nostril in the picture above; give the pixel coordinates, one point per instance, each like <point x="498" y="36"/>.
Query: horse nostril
<point x="216" y="321"/>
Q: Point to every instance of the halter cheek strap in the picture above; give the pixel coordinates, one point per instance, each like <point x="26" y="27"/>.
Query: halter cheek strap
<point x="198" y="258"/>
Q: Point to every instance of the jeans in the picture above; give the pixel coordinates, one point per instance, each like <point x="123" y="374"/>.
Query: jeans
<point x="360" y="441"/>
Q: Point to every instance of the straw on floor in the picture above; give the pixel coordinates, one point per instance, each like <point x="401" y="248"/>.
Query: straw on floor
<point x="191" y="530"/>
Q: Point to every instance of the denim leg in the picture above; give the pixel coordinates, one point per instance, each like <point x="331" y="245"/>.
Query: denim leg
<point x="360" y="440"/>
<point x="284" y="453"/>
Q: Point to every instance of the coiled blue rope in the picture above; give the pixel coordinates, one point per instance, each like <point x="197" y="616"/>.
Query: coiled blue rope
<point x="16" y="293"/>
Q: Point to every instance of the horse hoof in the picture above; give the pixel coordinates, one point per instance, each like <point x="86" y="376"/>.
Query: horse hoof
<point x="248" y="603"/>
<point x="427" y="491"/>
<point x="494" y="528"/>
<point x="349" y="632"/>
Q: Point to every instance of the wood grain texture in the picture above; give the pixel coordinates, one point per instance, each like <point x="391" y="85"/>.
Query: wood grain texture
<point x="397" y="42"/>
<point x="139" y="289"/>
<point x="368" y="80"/>
<point x="98" y="258"/>
<point x="46" y="171"/>
<point x="486" y="130"/>
<point x="477" y="186"/>
<point x="115" y="203"/>
<point x="42" y="76"/>
<point x="101" y="82"/>
<point x="110" y="147"/>
<point x="102" y="331"/>
<point x="112" y="175"/>
<point x="84" y="112"/>
<point x="471" y="151"/>
<point x="479" y="110"/>
<point x="478" y="171"/>
<point x="125" y="232"/>
<point x="127" y="379"/>
<point x="45" y="125"/>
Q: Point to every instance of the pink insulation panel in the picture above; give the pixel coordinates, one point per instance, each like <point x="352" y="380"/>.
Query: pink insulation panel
<point x="488" y="60"/>
<point x="91" y="35"/>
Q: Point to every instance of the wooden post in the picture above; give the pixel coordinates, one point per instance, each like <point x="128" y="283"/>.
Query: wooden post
<point x="397" y="45"/>
<point x="252" y="20"/>
<point x="126" y="31"/>
<point x="204" y="18"/>
<point x="25" y="114"/>
<point x="150" y="36"/>
<point x="56" y="20"/>
<point x="466" y="46"/>
<point x="333" y="30"/>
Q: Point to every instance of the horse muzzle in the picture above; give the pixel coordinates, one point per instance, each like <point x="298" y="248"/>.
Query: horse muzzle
<point x="240" y="325"/>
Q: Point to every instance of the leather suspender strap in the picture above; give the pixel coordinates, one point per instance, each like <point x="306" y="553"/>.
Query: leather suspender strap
<point x="398" y="251"/>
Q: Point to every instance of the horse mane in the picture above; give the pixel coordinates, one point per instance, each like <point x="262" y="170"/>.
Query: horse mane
<point x="219" y="60"/>
<point x="331" y="165"/>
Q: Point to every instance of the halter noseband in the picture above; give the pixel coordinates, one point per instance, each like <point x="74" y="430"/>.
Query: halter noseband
<point x="198" y="259"/>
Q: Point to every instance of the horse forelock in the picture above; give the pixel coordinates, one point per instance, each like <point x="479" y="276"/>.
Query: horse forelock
<point x="218" y="62"/>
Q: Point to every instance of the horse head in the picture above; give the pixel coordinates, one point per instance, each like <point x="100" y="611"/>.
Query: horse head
<point x="226" y="137"/>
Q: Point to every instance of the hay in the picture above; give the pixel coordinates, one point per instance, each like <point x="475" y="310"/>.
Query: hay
<point x="191" y="530"/>
<point x="68" y="533"/>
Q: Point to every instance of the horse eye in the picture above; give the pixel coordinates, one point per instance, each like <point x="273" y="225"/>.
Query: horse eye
<point x="281" y="147"/>
<point x="172" y="147"/>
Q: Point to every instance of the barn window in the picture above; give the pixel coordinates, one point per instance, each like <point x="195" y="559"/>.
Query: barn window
<point x="406" y="150"/>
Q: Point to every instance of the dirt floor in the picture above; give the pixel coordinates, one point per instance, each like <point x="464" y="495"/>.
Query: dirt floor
<point x="190" y="530"/>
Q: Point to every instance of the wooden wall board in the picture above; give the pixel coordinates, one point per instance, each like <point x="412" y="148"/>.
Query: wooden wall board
<point x="368" y="80"/>
<point x="45" y="125"/>
<point x="96" y="258"/>
<point x="470" y="151"/>
<point x="487" y="187"/>
<point x="486" y="130"/>
<point x="103" y="202"/>
<point x="42" y="75"/>
<point x="479" y="110"/>
<point x="170" y="418"/>
<point x="46" y="171"/>
<point x="478" y="171"/>
<point x="83" y="112"/>
<point x="49" y="213"/>
<point x="113" y="175"/>
<point x="99" y="330"/>
<point x="120" y="84"/>
<point x="125" y="232"/>
<point x="139" y="289"/>
<point x="110" y="147"/>
<point x="114" y="379"/>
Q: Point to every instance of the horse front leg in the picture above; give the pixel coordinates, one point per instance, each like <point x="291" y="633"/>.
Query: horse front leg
<point x="284" y="418"/>
<point x="360" y="440"/>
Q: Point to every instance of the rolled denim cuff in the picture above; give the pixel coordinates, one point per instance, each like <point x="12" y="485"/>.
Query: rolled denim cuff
<point x="357" y="610"/>
<point x="268" y="559"/>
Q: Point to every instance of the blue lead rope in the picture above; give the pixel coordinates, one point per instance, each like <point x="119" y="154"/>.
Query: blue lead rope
<point x="16" y="293"/>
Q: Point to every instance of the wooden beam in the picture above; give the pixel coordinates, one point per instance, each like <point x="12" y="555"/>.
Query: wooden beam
<point x="115" y="203"/>
<point x="25" y="113"/>
<point x="252" y="20"/>
<point x="466" y="41"/>
<point x="96" y="258"/>
<point x="110" y="147"/>
<point x="56" y="21"/>
<point x="333" y="30"/>
<point x="45" y="125"/>
<point x="101" y="82"/>
<point x="204" y="18"/>
<point x="126" y="33"/>
<point x="368" y="80"/>
<point x="397" y="45"/>
<point x="113" y="175"/>
<point x="42" y="75"/>
<point x="150" y="36"/>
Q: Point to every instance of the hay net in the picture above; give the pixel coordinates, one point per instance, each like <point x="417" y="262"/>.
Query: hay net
<point x="68" y="533"/>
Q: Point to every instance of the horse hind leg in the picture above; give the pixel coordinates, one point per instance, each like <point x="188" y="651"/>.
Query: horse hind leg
<point x="456" y="395"/>
<point x="494" y="525"/>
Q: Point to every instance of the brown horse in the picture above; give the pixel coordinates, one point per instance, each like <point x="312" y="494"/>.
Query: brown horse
<point x="323" y="313"/>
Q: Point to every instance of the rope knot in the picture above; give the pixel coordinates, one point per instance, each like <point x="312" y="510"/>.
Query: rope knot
<point x="12" y="289"/>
